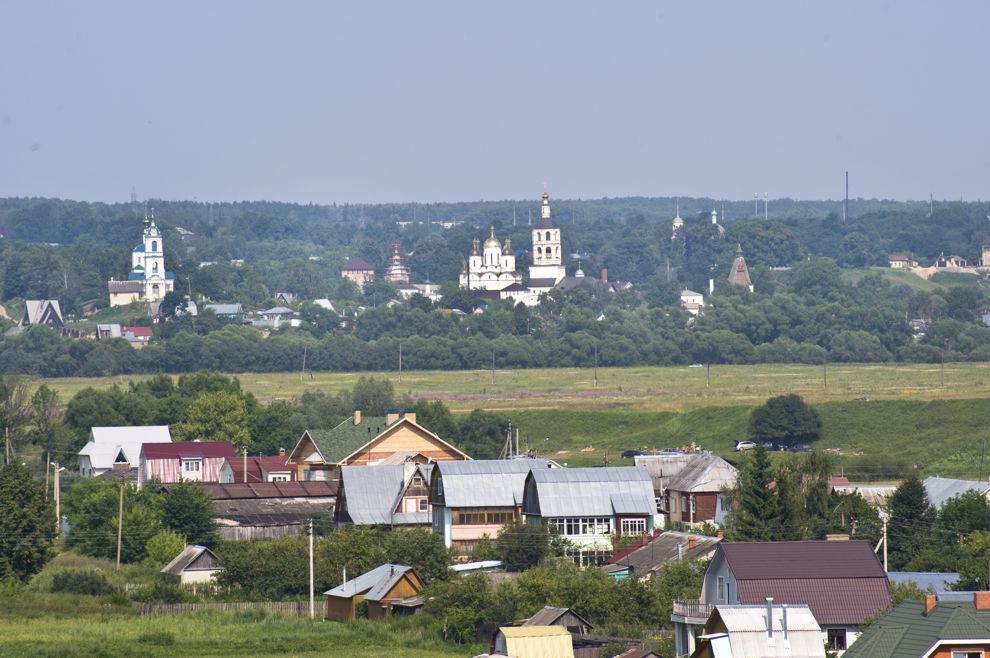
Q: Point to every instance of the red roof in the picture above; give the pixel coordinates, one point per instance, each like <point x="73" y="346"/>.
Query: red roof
<point x="256" y="465"/>
<point x="358" y="264"/>
<point x="842" y="582"/>
<point x="311" y="489"/>
<point x="897" y="257"/>
<point x="139" y="332"/>
<point x="188" y="449"/>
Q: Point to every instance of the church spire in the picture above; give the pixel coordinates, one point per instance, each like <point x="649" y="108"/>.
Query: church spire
<point x="545" y="209"/>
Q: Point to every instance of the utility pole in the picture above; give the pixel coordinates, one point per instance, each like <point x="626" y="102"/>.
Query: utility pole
<point x="885" y="544"/>
<point x="312" y="605"/>
<point x="708" y="380"/>
<point x="58" y="498"/>
<point x="303" y="373"/>
<point x="48" y="465"/>
<point x="825" y="373"/>
<point x="245" y="464"/>
<point x="120" y="524"/>
<point x="596" y="365"/>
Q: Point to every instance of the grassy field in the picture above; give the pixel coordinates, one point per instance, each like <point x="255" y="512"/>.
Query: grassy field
<point x="641" y="389"/>
<point x="101" y="629"/>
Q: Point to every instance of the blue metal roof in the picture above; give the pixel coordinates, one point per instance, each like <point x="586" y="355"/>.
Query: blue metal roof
<point x="140" y="247"/>
<point x="169" y="276"/>
<point x="135" y="276"/>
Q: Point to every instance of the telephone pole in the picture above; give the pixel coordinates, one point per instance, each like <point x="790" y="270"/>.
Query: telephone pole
<point x="312" y="605"/>
<point x="120" y="524"/>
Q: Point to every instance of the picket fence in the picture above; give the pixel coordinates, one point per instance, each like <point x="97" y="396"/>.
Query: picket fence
<point x="279" y="608"/>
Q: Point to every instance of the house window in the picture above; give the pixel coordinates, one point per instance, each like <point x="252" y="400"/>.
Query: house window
<point x="191" y="465"/>
<point x="577" y="527"/>
<point x="673" y="504"/>
<point x="968" y="653"/>
<point x="633" y="526"/>
<point x="439" y="487"/>
<point x="836" y="639"/>
<point x="278" y="477"/>
<point x="721" y="588"/>
<point x="424" y="505"/>
<point x="659" y="501"/>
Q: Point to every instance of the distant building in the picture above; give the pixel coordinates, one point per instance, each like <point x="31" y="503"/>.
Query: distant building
<point x="693" y="302"/>
<point x="381" y="588"/>
<point x="195" y="461"/>
<point x="900" y="262"/>
<point x="45" y="312"/>
<point x="761" y="631"/>
<point x="490" y="268"/>
<point x="358" y="271"/>
<point x="739" y="273"/>
<point x="195" y="564"/>
<point x="985" y="252"/>
<point x="397" y="272"/>
<point x="147" y="270"/>
<point x="118" y="448"/>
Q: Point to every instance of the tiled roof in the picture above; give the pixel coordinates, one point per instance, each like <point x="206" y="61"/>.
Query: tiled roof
<point x="188" y="449"/>
<point x="314" y="489"/>
<point x="337" y="443"/>
<point x="907" y="631"/>
<point x="802" y="559"/>
<point x="257" y="466"/>
<point x="358" y="264"/>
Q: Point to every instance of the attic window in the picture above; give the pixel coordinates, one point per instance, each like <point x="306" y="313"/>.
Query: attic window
<point x="120" y="459"/>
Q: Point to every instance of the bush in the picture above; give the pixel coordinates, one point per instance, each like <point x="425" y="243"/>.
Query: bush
<point x="93" y="583"/>
<point x="163" y="547"/>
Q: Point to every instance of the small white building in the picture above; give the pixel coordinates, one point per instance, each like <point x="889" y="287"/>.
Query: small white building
<point x="195" y="564"/>
<point x="693" y="302"/>
<point x="119" y="448"/>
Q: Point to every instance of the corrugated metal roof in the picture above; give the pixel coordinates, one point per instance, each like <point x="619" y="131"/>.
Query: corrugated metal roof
<point x="371" y="492"/>
<point x="834" y="601"/>
<point x="652" y="556"/>
<point x="188" y="449"/>
<point x="941" y="490"/>
<point x="368" y="580"/>
<point x="533" y="631"/>
<point x="487" y="483"/>
<point x="572" y="492"/>
<point x="188" y="555"/>
<point x="704" y="473"/>
<point x="105" y="442"/>
<point x="936" y="582"/>
<point x="802" y="559"/>
<point x="747" y="633"/>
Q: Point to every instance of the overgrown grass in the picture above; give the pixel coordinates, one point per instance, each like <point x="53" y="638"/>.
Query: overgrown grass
<point x="113" y="634"/>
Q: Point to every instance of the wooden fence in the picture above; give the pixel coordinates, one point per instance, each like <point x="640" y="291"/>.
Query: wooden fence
<point x="279" y="608"/>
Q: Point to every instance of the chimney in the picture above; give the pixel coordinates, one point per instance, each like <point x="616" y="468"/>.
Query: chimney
<point x="281" y="452"/>
<point x="981" y="600"/>
<point x="783" y="613"/>
<point x="604" y="275"/>
<point x="409" y="413"/>
<point x="357" y="416"/>
<point x="391" y="416"/>
<point x="692" y="542"/>
<point x="770" y="617"/>
<point x="837" y="537"/>
<point x="931" y="601"/>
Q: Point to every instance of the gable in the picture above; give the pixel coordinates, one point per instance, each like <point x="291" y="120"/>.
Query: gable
<point x="404" y="436"/>
<point x="306" y="450"/>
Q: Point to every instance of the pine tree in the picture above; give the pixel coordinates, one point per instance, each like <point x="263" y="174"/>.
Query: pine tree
<point x="911" y="520"/>
<point x="758" y="514"/>
<point x="27" y="524"/>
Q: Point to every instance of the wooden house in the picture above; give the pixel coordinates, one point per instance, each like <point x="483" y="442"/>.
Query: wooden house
<point x="267" y="510"/>
<point x="551" y="616"/>
<point x="195" y="564"/>
<point x="365" y="441"/>
<point x="380" y="588"/>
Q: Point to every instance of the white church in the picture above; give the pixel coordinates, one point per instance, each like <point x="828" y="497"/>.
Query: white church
<point x="493" y="267"/>
<point x="148" y="280"/>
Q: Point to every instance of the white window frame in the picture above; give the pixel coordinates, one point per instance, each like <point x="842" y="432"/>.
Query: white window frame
<point x="673" y="504"/>
<point x="187" y="465"/>
<point x="721" y="587"/>
<point x="633" y="526"/>
<point x="424" y="505"/>
<point x="966" y="653"/>
<point x="278" y="477"/>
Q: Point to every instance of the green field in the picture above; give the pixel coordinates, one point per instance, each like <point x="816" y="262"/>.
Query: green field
<point x="872" y="410"/>
<point x="86" y="630"/>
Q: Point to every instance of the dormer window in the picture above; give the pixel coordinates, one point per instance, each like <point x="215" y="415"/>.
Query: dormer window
<point x="192" y="465"/>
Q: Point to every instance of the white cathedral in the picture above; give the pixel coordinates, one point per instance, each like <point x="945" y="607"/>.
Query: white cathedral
<point x="493" y="267"/>
<point x="148" y="281"/>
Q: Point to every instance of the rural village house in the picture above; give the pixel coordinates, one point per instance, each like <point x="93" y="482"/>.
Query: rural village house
<point x="689" y="486"/>
<point x="268" y="510"/>
<point x="385" y="494"/>
<point x="474" y="499"/>
<point x="642" y="561"/>
<point x="761" y="631"/>
<point x="381" y="588"/>
<point x="367" y="440"/>
<point x="929" y="628"/>
<point x="195" y="564"/>
<point x="254" y="468"/>
<point x="118" y="448"/>
<point x="194" y="461"/>
<point x="842" y="582"/>
<point x="588" y="506"/>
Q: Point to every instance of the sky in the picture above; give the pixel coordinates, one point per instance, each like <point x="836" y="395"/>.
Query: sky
<point x="371" y="102"/>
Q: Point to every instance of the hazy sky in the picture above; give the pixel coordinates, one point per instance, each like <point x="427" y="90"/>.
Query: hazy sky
<point x="430" y="101"/>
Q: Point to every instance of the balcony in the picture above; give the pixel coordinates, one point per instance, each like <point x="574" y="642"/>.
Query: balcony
<point x="692" y="612"/>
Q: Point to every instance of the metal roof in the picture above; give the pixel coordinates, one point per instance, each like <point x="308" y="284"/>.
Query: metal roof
<point x="371" y="492"/>
<point x="370" y="582"/>
<point x="571" y="492"/>
<point x="908" y="631"/>
<point x="925" y="580"/>
<point x="652" y="556"/>
<point x="106" y="442"/>
<point x="487" y="482"/>
<point x="940" y="490"/>
<point x="746" y="635"/>
<point x="187" y="557"/>
<point x="704" y="473"/>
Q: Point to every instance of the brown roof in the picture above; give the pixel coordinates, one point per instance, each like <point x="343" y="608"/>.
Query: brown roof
<point x="311" y="489"/>
<point x="842" y="582"/>
<point x="638" y="652"/>
<point x="357" y="264"/>
<point x="739" y="274"/>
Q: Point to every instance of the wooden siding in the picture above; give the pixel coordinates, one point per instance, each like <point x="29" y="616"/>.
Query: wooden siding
<point x="404" y="438"/>
<point x="339" y="609"/>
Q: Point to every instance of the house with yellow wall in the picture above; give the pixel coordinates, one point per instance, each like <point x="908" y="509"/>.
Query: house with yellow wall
<point x="368" y="440"/>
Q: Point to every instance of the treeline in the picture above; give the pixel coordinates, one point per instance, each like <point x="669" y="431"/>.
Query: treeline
<point x="300" y="249"/>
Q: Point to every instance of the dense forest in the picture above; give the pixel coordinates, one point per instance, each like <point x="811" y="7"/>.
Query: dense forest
<point x="805" y="308"/>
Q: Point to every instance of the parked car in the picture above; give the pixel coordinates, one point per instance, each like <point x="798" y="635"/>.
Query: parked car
<point x="629" y="454"/>
<point x="670" y="451"/>
<point x="800" y="447"/>
<point x="744" y="445"/>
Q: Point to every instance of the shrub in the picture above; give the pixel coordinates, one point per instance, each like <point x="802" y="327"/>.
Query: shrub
<point x="93" y="583"/>
<point x="162" y="593"/>
<point x="163" y="547"/>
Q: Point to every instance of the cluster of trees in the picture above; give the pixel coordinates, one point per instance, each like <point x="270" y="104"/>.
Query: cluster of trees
<point x="791" y="501"/>
<point x="27" y="524"/>
<point x="784" y="421"/>
<point x="955" y="538"/>
<point x="212" y="406"/>
<point x="158" y="522"/>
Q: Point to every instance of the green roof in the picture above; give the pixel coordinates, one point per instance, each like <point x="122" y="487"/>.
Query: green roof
<point x="336" y="444"/>
<point x="906" y="631"/>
